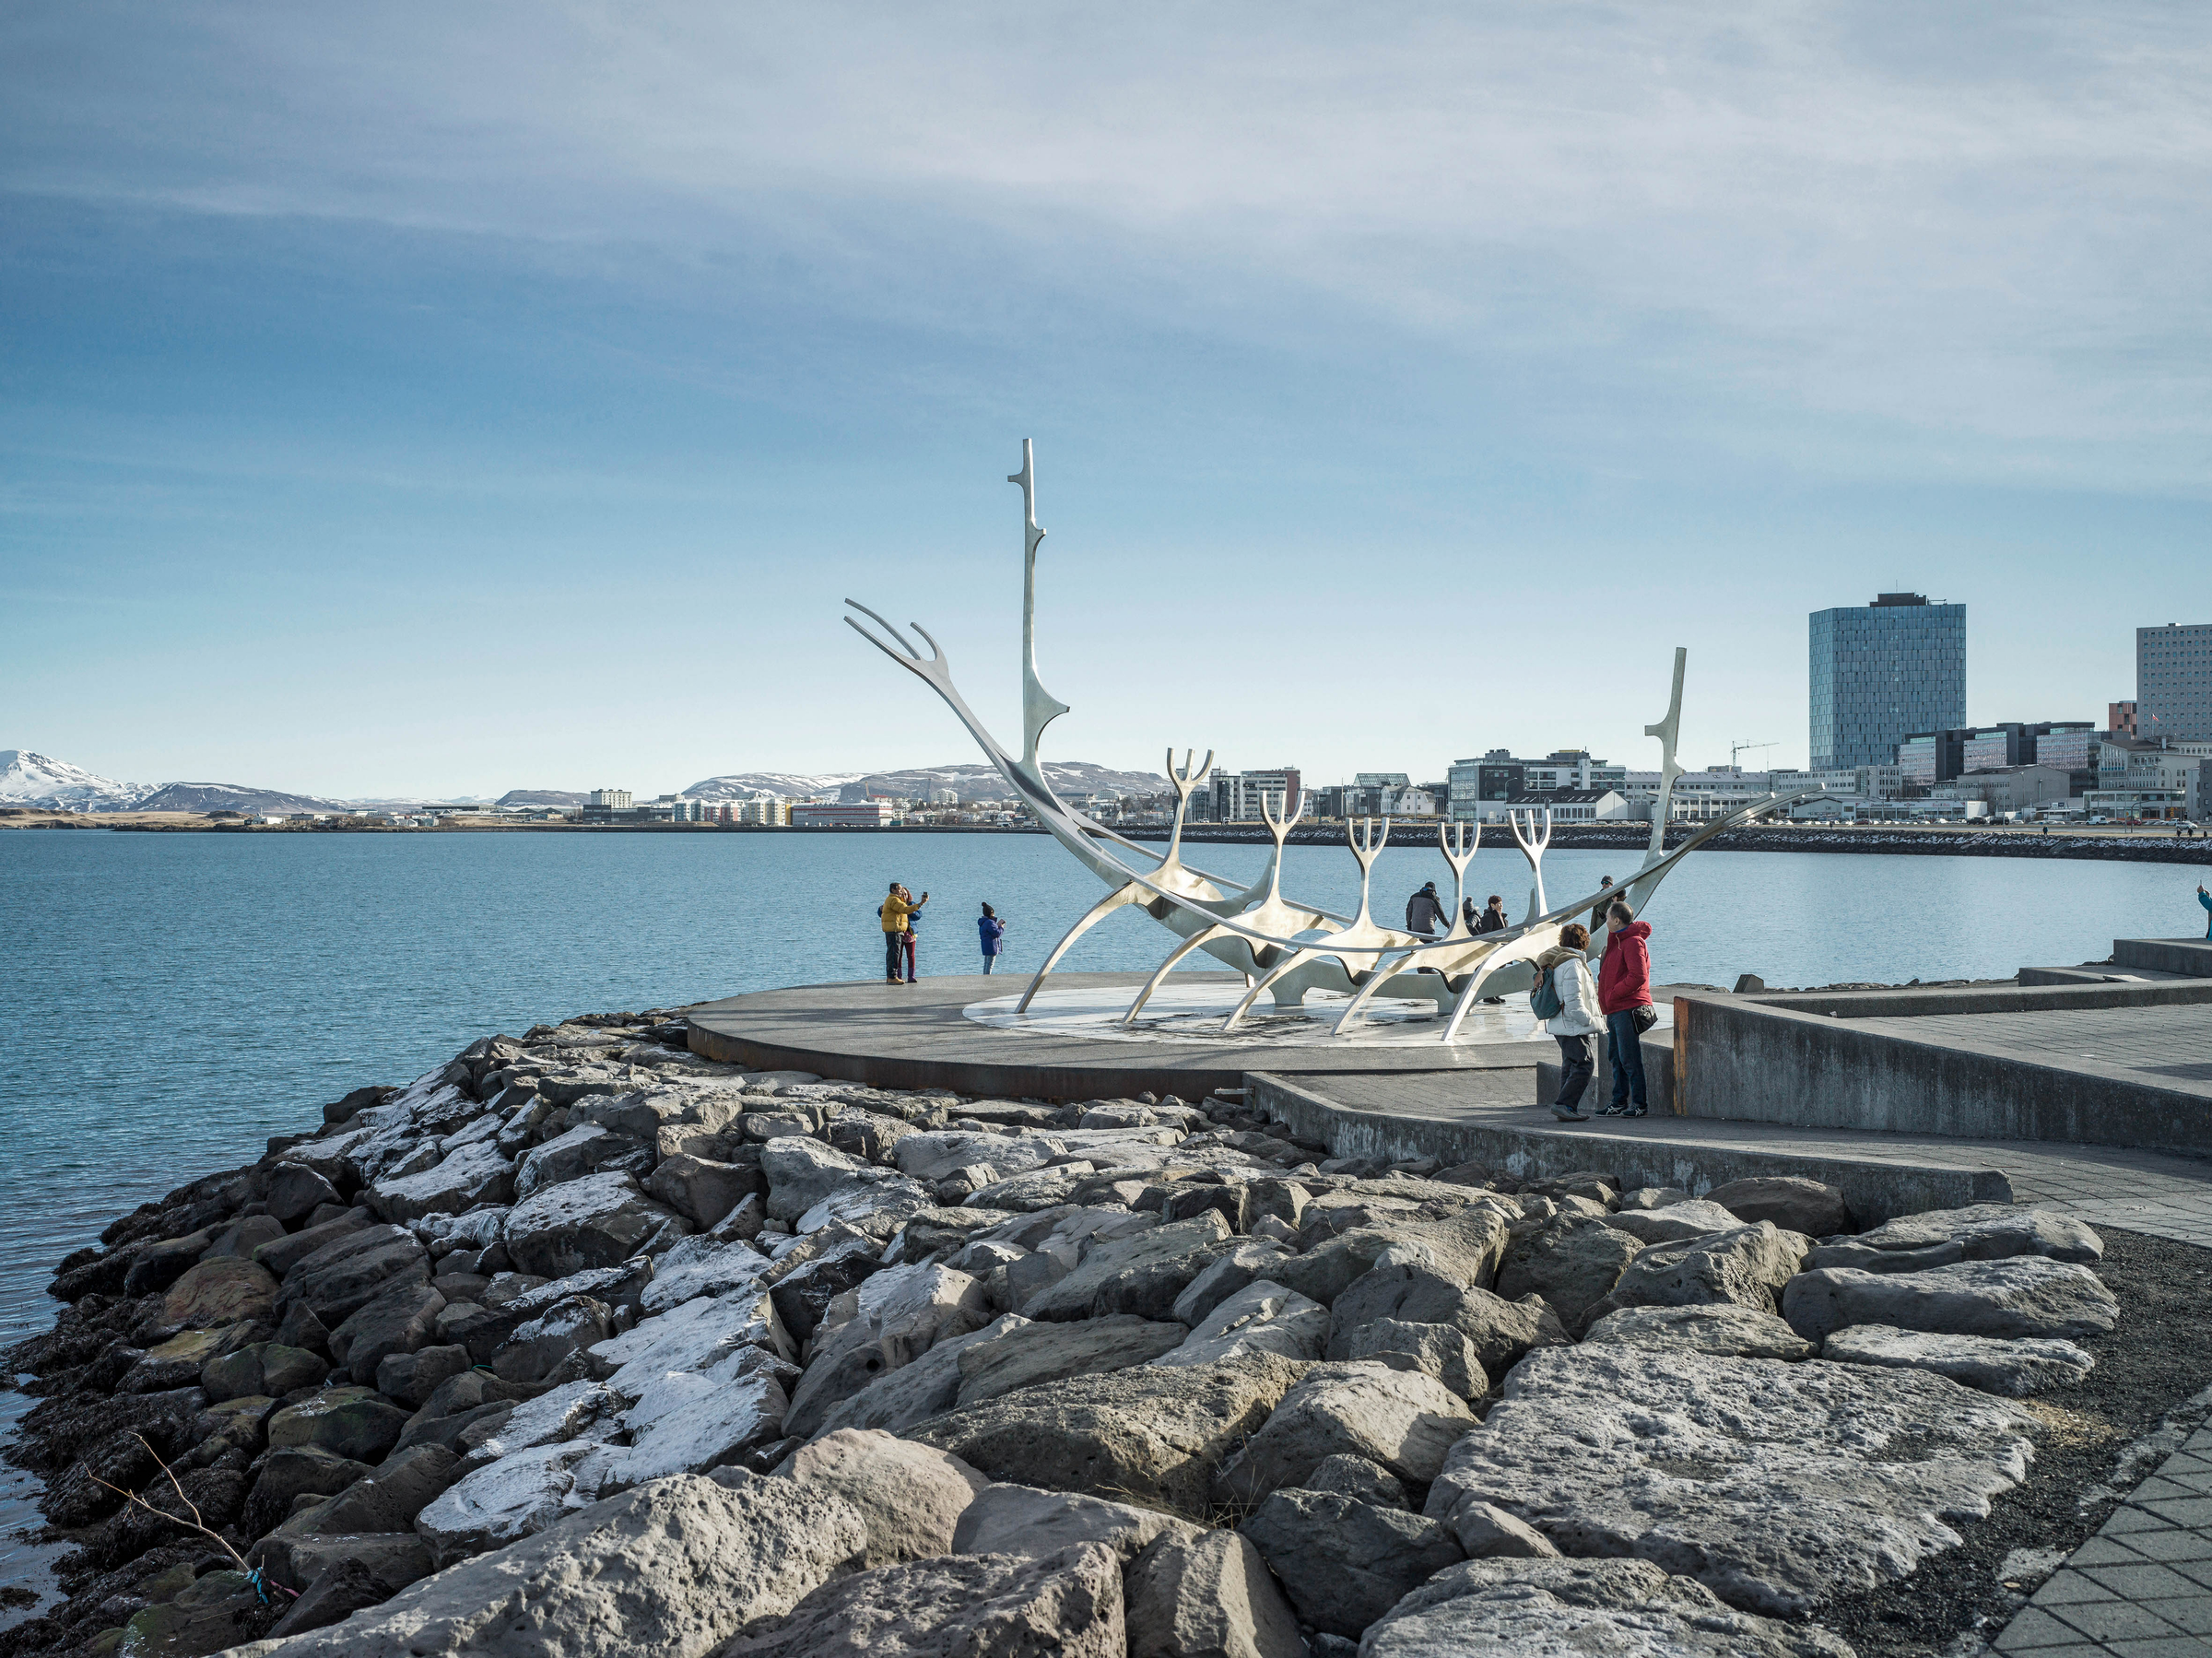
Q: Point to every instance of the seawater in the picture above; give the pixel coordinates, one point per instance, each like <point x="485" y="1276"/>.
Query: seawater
<point x="169" y="1001"/>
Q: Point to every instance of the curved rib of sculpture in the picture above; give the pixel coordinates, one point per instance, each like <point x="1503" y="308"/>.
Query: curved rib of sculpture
<point x="1270" y="914"/>
<point x="1532" y="844"/>
<point x="1191" y="901"/>
<point x="1171" y="871"/>
<point x="1531" y="939"/>
<point x="1459" y="848"/>
<point x="1354" y="950"/>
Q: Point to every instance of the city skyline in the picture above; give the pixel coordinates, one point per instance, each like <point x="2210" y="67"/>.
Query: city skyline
<point x="405" y="402"/>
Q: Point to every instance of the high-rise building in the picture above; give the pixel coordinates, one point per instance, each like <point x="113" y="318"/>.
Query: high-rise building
<point x="2120" y="719"/>
<point x="2173" y="682"/>
<point x="1881" y="672"/>
<point x="617" y="798"/>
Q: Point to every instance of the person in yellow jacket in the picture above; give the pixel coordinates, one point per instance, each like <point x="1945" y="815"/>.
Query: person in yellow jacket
<point x="898" y="916"/>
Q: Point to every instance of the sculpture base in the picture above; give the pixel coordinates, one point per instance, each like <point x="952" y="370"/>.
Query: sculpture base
<point x="962" y="1033"/>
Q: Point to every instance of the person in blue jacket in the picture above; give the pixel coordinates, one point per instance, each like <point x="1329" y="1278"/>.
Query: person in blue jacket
<point x="2204" y="899"/>
<point x="993" y="935"/>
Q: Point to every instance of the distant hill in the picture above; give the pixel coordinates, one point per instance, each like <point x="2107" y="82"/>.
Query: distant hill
<point x="969" y="782"/>
<point x="542" y="797"/>
<point x="230" y="797"/>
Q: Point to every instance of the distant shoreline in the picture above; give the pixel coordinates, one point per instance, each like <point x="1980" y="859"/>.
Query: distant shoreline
<point x="2123" y="845"/>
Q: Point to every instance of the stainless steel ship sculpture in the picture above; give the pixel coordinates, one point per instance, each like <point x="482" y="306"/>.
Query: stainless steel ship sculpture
<point x="1284" y="949"/>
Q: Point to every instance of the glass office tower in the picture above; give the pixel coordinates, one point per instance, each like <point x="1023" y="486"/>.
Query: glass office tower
<point x="1881" y="672"/>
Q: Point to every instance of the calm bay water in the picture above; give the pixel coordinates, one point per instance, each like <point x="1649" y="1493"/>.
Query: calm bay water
<point x="171" y="1000"/>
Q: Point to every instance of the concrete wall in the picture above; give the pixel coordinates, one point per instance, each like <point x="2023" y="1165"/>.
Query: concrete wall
<point x="1747" y="1060"/>
<point x="2006" y="997"/>
<point x="2164" y="955"/>
<point x="1875" y="1192"/>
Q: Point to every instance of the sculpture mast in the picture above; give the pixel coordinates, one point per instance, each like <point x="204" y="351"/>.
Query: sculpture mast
<point x="1040" y="708"/>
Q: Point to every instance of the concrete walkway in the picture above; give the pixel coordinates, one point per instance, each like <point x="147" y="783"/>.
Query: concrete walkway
<point x="2142" y="1586"/>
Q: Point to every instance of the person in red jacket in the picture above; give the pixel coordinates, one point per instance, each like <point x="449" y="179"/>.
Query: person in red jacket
<point x="1624" y="984"/>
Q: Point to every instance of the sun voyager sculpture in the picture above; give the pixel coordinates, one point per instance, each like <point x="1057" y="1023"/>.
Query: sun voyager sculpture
<point x="1286" y="949"/>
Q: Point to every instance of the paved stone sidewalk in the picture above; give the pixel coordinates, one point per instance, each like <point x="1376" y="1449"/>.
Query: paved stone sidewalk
<point x="2142" y="1586"/>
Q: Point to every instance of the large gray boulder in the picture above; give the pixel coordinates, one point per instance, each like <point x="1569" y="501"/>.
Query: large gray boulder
<point x="875" y="1201"/>
<point x="294" y="1193"/>
<point x="669" y="1571"/>
<point x="835" y="1259"/>
<point x="1502" y="1331"/>
<point x="892" y="1319"/>
<point x="338" y="1278"/>
<point x="910" y="1496"/>
<point x="1403" y="1420"/>
<point x="1778" y="1485"/>
<point x="1980" y="1232"/>
<point x="598" y="1220"/>
<point x="1344" y="1562"/>
<point x="1247" y="1261"/>
<point x="1464" y="1248"/>
<point x="516" y="1496"/>
<point x="1206" y="1596"/>
<point x="583" y="1149"/>
<point x="1142" y="1275"/>
<point x="702" y="1190"/>
<point x="693" y="1422"/>
<point x="1671" y="1223"/>
<point x="1009" y="1519"/>
<point x="2022" y="1295"/>
<point x="1572" y="1263"/>
<point x="464" y="1179"/>
<point x="1442" y="1351"/>
<point x="929" y="1386"/>
<point x="1152" y="1435"/>
<point x="1789" y="1201"/>
<point x="1263" y="1317"/>
<point x="400" y="1318"/>
<point x="391" y="1498"/>
<point x="1559" y="1607"/>
<point x="701" y="1266"/>
<point x="1038" y="1352"/>
<point x="2013" y="1368"/>
<point x="1748" y="1267"/>
<point x="1722" y="1329"/>
<point x="1067" y="1604"/>
<point x="802" y="1171"/>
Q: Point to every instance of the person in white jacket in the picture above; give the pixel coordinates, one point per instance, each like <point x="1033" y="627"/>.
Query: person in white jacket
<point x="1578" y="1019"/>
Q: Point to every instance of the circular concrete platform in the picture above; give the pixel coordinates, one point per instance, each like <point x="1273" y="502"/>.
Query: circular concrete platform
<point x="960" y="1032"/>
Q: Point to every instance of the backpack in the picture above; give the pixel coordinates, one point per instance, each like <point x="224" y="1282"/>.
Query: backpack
<point x="1544" y="1001"/>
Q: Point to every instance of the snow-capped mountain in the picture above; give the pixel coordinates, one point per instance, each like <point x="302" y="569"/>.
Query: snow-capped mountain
<point x="748" y="785"/>
<point x="39" y="779"/>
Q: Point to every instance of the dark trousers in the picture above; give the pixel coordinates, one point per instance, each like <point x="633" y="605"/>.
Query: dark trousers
<point x="1578" y="1061"/>
<point x="908" y="941"/>
<point x="1624" y="1048"/>
<point x="893" y="948"/>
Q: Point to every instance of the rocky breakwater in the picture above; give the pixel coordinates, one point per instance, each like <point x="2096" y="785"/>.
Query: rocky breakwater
<point x="583" y="1346"/>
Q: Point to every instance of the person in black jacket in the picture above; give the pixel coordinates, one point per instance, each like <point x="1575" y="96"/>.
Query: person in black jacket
<point x="1491" y="920"/>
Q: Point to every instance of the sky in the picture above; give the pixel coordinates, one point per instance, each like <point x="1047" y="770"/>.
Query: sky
<point x="431" y="399"/>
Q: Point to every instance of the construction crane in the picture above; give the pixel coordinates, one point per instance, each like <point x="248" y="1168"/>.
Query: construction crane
<point x="1735" y="749"/>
